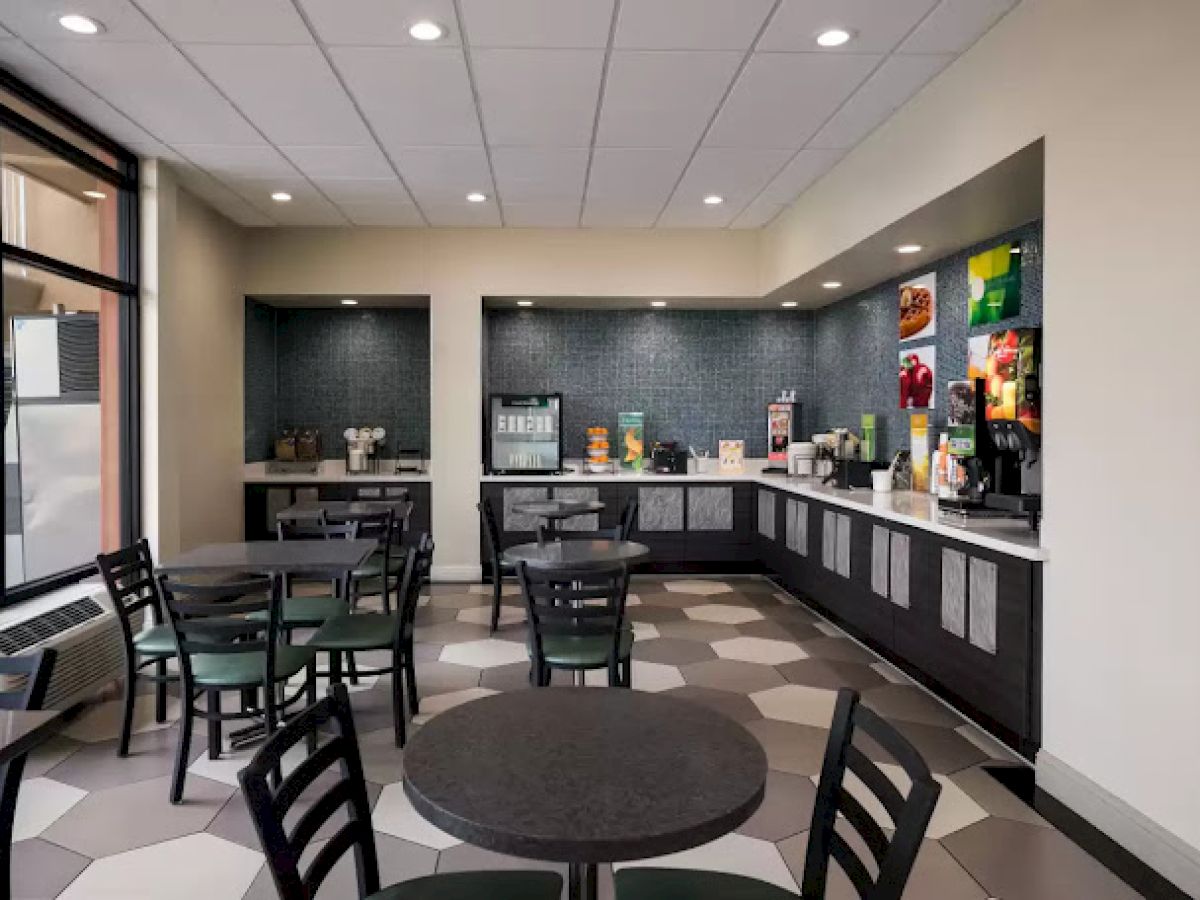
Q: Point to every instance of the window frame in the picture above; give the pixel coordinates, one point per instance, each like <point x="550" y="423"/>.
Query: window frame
<point x="124" y="176"/>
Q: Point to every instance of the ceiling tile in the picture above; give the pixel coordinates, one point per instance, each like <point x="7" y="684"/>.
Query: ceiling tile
<point x="289" y="93"/>
<point x="443" y="176"/>
<point x="156" y="87"/>
<point x="897" y="80"/>
<point x="229" y="21"/>
<point x="252" y="160"/>
<point x="362" y="191"/>
<point x="760" y="212"/>
<point x="538" y="97"/>
<point x="378" y="22"/>
<point x="383" y="214"/>
<point x="537" y="23"/>
<point x="412" y="96"/>
<point x="806" y="167"/>
<point x="662" y="98"/>
<point x="603" y="214"/>
<point x="340" y="162"/>
<point x="539" y="175"/>
<point x="541" y="215"/>
<point x="736" y="175"/>
<point x="690" y="24"/>
<point x="877" y="27"/>
<point x="955" y="25"/>
<point x="219" y="196"/>
<point x="628" y="187"/>
<point x="37" y="20"/>
<point x="462" y="215"/>
<point x="307" y="207"/>
<point x="808" y="86"/>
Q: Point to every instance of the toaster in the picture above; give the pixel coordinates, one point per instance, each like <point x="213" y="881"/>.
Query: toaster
<point x="667" y="459"/>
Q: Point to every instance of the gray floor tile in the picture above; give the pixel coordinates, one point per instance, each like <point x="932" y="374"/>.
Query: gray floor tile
<point x="786" y="808"/>
<point x="50" y="754"/>
<point x="943" y="750"/>
<point x="40" y="870"/>
<point x="738" y="707"/>
<point x="995" y="797"/>
<point x="655" y="615"/>
<point x="1017" y="860"/>
<point x="442" y="678"/>
<point x="831" y="674"/>
<point x="796" y="749"/>
<point x="233" y="821"/>
<point x="673" y="651"/>
<point x="451" y="632"/>
<point x="779" y="631"/>
<point x="732" y="675"/>
<point x="694" y="630"/>
<point x="383" y="761"/>
<point x="838" y="648"/>
<point x="95" y="767"/>
<point x="910" y="704"/>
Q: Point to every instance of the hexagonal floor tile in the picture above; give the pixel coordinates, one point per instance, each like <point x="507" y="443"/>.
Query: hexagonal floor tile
<point x="673" y="651"/>
<point x="732" y="675"/>
<point x="451" y="633"/>
<point x="828" y="629"/>
<point x="439" y="703"/>
<point x="786" y="809"/>
<point x="233" y="822"/>
<point x="736" y="854"/>
<point x="831" y="674"/>
<point x="797" y="703"/>
<point x="702" y="588"/>
<point x="196" y="867"/>
<point x="484" y="654"/>
<point x="656" y="615"/>
<point x="647" y="676"/>
<point x="394" y="814"/>
<point x="798" y="749"/>
<point x="691" y="630"/>
<point x="102" y="722"/>
<point x="468" y="858"/>
<point x="225" y="769"/>
<point x="759" y="650"/>
<point x="986" y="743"/>
<point x="644" y="631"/>
<point x="437" y="677"/>
<point x="40" y="803"/>
<point x="943" y="749"/>
<point x="910" y="704"/>
<point x="507" y="589"/>
<point x="96" y="767"/>
<point x="839" y="648"/>
<point x="736" y="706"/>
<point x="890" y="673"/>
<point x="778" y="631"/>
<point x="101" y="824"/>
<point x="39" y="869"/>
<point x="723" y="614"/>
<point x="48" y="754"/>
<point x="632" y="599"/>
<point x="516" y="677"/>
<point x="482" y="615"/>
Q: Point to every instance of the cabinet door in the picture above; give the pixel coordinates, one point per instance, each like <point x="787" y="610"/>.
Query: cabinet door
<point x="513" y="522"/>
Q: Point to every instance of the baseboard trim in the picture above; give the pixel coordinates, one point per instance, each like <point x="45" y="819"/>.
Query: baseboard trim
<point x="456" y="573"/>
<point x="1172" y="866"/>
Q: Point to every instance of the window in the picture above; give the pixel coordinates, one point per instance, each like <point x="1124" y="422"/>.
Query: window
<point x="68" y="219"/>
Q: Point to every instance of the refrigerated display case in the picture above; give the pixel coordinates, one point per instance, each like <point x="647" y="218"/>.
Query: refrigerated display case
<point x="524" y="434"/>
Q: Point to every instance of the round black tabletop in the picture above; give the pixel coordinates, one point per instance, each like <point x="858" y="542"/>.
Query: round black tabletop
<point x="581" y="554"/>
<point x="584" y="775"/>
<point x="558" y="509"/>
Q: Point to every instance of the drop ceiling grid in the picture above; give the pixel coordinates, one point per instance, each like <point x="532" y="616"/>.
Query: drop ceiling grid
<point x="567" y="113"/>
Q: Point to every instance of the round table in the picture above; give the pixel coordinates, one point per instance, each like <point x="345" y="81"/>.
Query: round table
<point x="584" y="776"/>
<point x="582" y="554"/>
<point x="554" y="511"/>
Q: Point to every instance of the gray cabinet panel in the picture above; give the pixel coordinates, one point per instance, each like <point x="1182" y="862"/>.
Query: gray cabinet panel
<point x="578" y="523"/>
<point x="983" y="604"/>
<point x="954" y="591"/>
<point x="843" y="545"/>
<point x="514" y="496"/>
<point x="900" y="550"/>
<point x="829" y="540"/>
<point x="710" y="508"/>
<point x="880" y="559"/>
<point x="766" y="514"/>
<point x="797" y="527"/>
<point x="660" y="509"/>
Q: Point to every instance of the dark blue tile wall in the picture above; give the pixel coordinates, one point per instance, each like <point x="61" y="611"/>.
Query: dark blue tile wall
<point x="857" y="341"/>
<point x="335" y="368"/>
<point x="699" y="376"/>
<point x="260" y="408"/>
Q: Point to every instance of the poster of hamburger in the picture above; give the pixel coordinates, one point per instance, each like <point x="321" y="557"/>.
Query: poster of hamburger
<point x="918" y="307"/>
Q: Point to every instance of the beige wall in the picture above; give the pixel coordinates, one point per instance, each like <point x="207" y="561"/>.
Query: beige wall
<point x="192" y="351"/>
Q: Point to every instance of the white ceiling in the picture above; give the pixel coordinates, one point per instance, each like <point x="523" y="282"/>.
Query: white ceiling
<point x="594" y="113"/>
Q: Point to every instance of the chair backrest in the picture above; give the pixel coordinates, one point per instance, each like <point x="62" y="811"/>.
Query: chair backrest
<point x="909" y="814"/>
<point x="624" y="530"/>
<point x="31" y="674"/>
<point x="574" y="603"/>
<point x="132" y="585"/>
<point x="213" y="619"/>
<point x="317" y="531"/>
<point x="416" y="574"/>
<point x="269" y="806"/>
<point x="491" y="531"/>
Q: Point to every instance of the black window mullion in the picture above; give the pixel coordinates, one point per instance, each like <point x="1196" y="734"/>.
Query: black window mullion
<point x="66" y="269"/>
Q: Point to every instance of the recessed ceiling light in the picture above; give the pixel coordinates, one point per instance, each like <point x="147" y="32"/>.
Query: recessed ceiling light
<point x="426" y="30"/>
<point x="281" y="196"/>
<point x="714" y="200"/>
<point x="834" y="37"/>
<point x="659" y="304"/>
<point x="831" y="285"/>
<point x="476" y="197"/>
<point x="789" y="304"/>
<point x="95" y="195"/>
<point x="524" y="303"/>
<point x="80" y="24"/>
<point x="349" y="301"/>
<point x="909" y="248"/>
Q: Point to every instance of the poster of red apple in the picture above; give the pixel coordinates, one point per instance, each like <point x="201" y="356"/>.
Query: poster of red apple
<point x="918" y="374"/>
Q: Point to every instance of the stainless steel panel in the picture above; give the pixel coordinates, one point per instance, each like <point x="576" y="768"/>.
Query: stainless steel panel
<point x="829" y="540"/>
<point x="660" y="509"/>
<point x="983" y="605"/>
<point x="899" y="569"/>
<point x="954" y="591"/>
<point x="766" y="514"/>
<point x="589" y="522"/>
<point x="880" y="550"/>
<point x="843" y="545"/>
<point x="514" y="496"/>
<point x="710" y="508"/>
<point x="797" y="526"/>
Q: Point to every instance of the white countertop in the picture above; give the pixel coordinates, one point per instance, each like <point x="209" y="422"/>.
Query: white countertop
<point x="328" y="470"/>
<point x="916" y="510"/>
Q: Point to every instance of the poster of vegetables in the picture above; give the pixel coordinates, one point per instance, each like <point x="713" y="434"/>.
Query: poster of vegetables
<point x="917" y="368"/>
<point x="918" y="308"/>
<point x="994" y="285"/>
<point x="1011" y="378"/>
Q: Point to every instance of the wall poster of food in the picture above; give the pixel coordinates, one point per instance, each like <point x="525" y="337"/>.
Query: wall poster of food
<point x="960" y="417"/>
<point x="1011" y="388"/>
<point x="977" y="352"/>
<point x="631" y="426"/>
<point x="918" y="307"/>
<point x="994" y="285"/>
<point x="917" y="368"/>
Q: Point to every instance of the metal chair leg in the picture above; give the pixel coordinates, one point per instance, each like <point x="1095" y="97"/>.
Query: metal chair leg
<point x="398" y="700"/>
<point x="497" y="589"/>
<point x="160" y="691"/>
<point x="212" y="701"/>
<point x="182" y="747"/>
<point x="410" y="678"/>
<point x="127" y="709"/>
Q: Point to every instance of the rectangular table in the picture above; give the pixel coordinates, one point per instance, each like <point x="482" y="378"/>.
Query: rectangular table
<point x="334" y="509"/>
<point x="283" y="557"/>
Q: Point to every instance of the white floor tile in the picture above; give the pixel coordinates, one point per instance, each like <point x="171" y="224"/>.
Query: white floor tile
<point x="736" y="854"/>
<point x="828" y="630"/>
<point x="644" y="631"/>
<point x="797" y="703"/>
<point x="225" y="769"/>
<point x="891" y="673"/>
<point x="703" y="588"/>
<point x="766" y="651"/>
<point x="647" y="676"/>
<point x="723" y="614"/>
<point x="439" y="703"/>
<point x="394" y="815"/>
<point x="40" y="803"/>
<point x="485" y="654"/>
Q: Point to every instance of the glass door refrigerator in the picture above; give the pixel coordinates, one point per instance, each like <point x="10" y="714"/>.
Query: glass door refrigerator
<point x="524" y="434"/>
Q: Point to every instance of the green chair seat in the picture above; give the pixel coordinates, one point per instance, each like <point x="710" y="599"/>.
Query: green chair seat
<point x="300" y="611"/>
<point x="373" y="567"/>
<point x="583" y="652"/>
<point x="505" y="885"/>
<point x="689" y="884"/>
<point x="359" y="631"/>
<point x="246" y="669"/>
<point x="158" y="640"/>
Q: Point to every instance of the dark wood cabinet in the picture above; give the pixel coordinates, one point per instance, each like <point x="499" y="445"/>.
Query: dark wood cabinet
<point x="265" y="500"/>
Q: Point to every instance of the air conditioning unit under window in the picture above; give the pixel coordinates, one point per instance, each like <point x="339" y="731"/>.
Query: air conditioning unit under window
<point x="79" y="623"/>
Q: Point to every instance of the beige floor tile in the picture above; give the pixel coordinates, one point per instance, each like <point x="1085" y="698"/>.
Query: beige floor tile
<point x="736" y="854"/>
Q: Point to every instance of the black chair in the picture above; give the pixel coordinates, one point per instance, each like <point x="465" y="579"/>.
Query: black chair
<point x="577" y="622"/>
<point x="35" y="669"/>
<point x="624" y="530"/>
<point x="353" y="632"/>
<point x="310" y="611"/>
<point x="893" y="860"/>
<point x="134" y="589"/>
<point x="380" y="574"/>
<point x="500" y="566"/>
<point x="284" y="848"/>
<point x="227" y="639"/>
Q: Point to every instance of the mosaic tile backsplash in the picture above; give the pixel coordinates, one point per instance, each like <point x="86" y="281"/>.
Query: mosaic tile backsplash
<point x="332" y="368"/>
<point x="699" y="376"/>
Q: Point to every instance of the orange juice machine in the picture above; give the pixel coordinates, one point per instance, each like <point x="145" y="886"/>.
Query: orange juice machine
<point x="783" y="424"/>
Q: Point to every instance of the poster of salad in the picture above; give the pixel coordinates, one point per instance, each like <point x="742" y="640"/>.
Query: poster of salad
<point x="917" y="376"/>
<point x="994" y="285"/>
